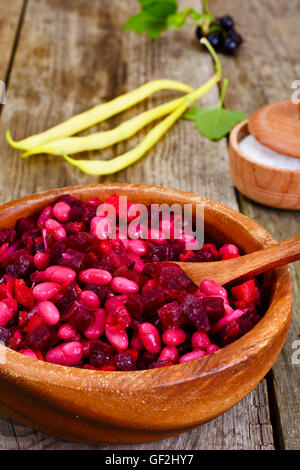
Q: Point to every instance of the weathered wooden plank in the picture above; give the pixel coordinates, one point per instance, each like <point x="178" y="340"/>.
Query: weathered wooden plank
<point x="10" y="24"/>
<point x="11" y="14"/>
<point x="263" y="72"/>
<point x="73" y="54"/>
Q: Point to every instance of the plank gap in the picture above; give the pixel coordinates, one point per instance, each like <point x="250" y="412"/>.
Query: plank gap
<point x="274" y="413"/>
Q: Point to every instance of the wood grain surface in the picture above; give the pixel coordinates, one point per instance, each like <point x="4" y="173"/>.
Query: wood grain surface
<point x="71" y="55"/>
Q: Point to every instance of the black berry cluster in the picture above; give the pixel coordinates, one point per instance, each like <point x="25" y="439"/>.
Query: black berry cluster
<point x="222" y="35"/>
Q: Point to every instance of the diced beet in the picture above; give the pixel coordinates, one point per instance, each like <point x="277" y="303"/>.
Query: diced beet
<point x="134" y="305"/>
<point x="56" y="251"/>
<point x="117" y="314"/>
<point x="24" y="294"/>
<point x="92" y="260"/>
<point x="103" y="292"/>
<point x="124" y="361"/>
<point x="43" y="337"/>
<point x="16" y="339"/>
<point x="245" y="292"/>
<point x="172" y="276"/>
<point x="194" y="310"/>
<point x="147" y="357"/>
<point x="7" y="235"/>
<point x="82" y="241"/>
<point x="88" y="213"/>
<point x="118" y="247"/>
<point x="177" y="247"/>
<point x="74" y="227"/>
<point x="68" y="199"/>
<point x="19" y="264"/>
<point x="214" y="307"/>
<point x="120" y="260"/>
<point x="149" y="269"/>
<point x="25" y="225"/>
<point x="152" y="300"/>
<point x="79" y="316"/>
<point x="23" y="317"/>
<point x="164" y="252"/>
<point x="175" y="294"/>
<point x="68" y="297"/>
<point x="229" y="333"/>
<point x="34" y="322"/>
<point x="73" y="259"/>
<point x="248" y="320"/>
<point x="76" y="214"/>
<point x="38" y="245"/>
<point x="5" y="335"/>
<point x="99" y="354"/>
<point x="171" y="315"/>
<point x="203" y="255"/>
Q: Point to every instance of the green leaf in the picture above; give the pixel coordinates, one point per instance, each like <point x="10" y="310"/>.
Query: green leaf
<point x="177" y="20"/>
<point x="137" y="23"/>
<point x="214" y="123"/>
<point x="159" y="8"/>
<point x="153" y="18"/>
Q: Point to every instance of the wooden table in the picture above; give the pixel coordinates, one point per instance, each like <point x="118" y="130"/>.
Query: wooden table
<point x="59" y="57"/>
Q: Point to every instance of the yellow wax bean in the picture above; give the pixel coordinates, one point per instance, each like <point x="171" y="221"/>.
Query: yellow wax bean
<point x="99" y="167"/>
<point x="100" y="140"/>
<point x="97" y="114"/>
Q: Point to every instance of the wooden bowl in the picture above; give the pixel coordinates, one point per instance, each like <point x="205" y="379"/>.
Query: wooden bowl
<point x="274" y="187"/>
<point x="122" y="407"/>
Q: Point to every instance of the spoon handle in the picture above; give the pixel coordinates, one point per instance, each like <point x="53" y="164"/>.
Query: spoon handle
<point x="264" y="260"/>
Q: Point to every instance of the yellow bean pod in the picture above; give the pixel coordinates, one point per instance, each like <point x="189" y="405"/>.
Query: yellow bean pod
<point x="97" y="114"/>
<point x="100" y="167"/>
<point x="101" y="140"/>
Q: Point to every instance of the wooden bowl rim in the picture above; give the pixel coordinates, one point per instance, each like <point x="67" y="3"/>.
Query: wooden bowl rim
<point x="19" y="366"/>
<point x="234" y="144"/>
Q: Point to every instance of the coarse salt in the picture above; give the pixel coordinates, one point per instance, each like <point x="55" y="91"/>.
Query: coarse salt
<point x="261" y="154"/>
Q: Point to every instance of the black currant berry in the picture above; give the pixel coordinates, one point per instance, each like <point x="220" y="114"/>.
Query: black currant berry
<point x="199" y="32"/>
<point x="226" y="22"/>
<point x="216" y="40"/>
<point x="229" y="46"/>
<point x="235" y="36"/>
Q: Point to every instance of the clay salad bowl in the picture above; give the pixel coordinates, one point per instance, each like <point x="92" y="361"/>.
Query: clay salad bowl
<point x="128" y="407"/>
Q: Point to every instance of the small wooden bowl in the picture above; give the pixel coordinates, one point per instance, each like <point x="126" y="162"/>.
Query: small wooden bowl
<point x="274" y="187"/>
<point x="122" y="407"/>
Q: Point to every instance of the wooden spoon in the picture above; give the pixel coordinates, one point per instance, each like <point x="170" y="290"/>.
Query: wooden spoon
<point x="246" y="266"/>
